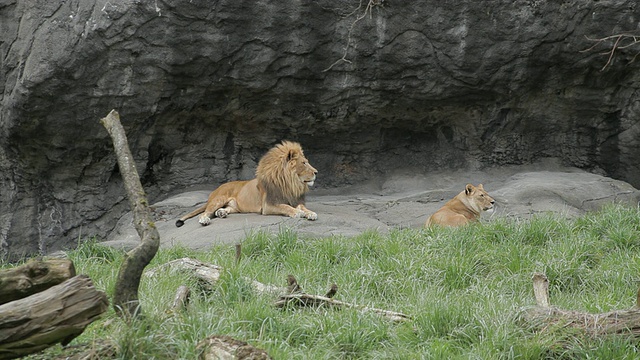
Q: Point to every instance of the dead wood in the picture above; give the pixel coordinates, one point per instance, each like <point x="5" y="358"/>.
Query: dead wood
<point x="56" y="315"/>
<point x="181" y="300"/>
<point x="208" y="274"/>
<point x="32" y="277"/>
<point x="541" y="289"/>
<point x="307" y="300"/>
<point x="219" y="347"/>
<point x="238" y="253"/>
<point x="97" y="350"/>
<point x="125" y="297"/>
<point x="545" y="317"/>
<point x="292" y="285"/>
<point x="297" y="297"/>
<point x="332" y="291"/>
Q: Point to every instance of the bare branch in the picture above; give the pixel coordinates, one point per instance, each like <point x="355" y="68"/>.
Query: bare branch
<point x="617" y="45"/>
<point x="367" y="10"/>
<point x="296" y="297"/>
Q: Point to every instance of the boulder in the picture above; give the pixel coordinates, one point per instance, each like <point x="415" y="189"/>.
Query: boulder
<point x="400" y="201"/>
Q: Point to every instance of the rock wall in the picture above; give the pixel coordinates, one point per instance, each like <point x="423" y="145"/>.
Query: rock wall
<point x="367" y="86"/>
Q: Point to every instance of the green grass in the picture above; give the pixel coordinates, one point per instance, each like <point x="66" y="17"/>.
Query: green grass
<point x="465" y="289"/>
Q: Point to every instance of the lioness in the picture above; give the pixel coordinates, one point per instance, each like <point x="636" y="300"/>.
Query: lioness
<point x="463" y="208"/>
<point x="282" y="178"/>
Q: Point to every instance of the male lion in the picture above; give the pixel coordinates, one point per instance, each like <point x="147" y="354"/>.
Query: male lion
<point x="282" y="178"/>
<point x="463" y="208"/>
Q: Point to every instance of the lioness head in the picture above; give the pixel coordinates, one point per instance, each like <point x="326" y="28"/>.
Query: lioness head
<point x="478" y="199"/>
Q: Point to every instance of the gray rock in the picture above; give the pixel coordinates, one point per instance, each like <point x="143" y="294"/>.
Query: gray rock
<point x="204" y="88"/>
<point x="401" y="201"/>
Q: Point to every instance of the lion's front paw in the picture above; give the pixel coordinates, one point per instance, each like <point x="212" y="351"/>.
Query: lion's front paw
<point x="222" y="213"/>
<point x="311" y="215"/>
<point x="298" y="214"/>
<point x="204" y="220"/>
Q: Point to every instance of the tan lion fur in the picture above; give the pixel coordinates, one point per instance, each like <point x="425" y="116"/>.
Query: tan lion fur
<point x="282" y="184"/>
<point x="463" y="208"/>
<point x="282" y="178"/>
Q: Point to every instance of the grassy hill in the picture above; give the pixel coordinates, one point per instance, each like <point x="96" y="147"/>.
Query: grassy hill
<point x="465" y="288"/>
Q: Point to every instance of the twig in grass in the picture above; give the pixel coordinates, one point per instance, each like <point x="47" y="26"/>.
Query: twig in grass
<point x="332" y="291"/>
<point x="308" y="300"/>
<point x="292" y="285"/>
<point x="181" y="300"/>
<point x="292" y="294"/>
<point x="238" y="253"/>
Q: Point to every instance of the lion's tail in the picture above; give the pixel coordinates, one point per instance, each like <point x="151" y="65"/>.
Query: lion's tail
<point x="195" y="212"/>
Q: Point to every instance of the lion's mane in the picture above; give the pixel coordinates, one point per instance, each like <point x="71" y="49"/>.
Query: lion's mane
<point x="278" y="178"/>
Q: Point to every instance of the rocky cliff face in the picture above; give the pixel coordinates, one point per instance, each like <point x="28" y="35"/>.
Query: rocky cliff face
<point x="368" y="87"/>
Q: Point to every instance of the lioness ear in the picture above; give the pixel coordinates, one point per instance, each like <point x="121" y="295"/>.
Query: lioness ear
<point x="480" y="187"/>
<point x="469" y="189"/>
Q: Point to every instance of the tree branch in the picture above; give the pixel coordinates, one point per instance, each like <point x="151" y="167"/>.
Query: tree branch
<point x="125" y="297"/>
<point x="367" y="10"/>
<point x="618" y="40"/>
<point x="298" y="298"/>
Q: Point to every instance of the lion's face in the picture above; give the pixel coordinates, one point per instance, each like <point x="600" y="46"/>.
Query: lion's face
<point x="478" y="198"/>
<point x="285" y="174"/>
<point x="305" y="172"/>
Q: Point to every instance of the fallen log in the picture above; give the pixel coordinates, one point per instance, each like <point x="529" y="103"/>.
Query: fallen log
<point x="545" y="317"/>
<point x="207" y="274"/>
<point x="307" y="300"/>
<point x="32" y="277"/>
<point x="299" y="298"/>
<point x="56" y="315"/>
